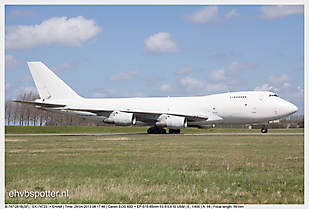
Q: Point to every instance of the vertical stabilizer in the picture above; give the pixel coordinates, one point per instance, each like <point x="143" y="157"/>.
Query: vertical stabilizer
<point x="48" y="84"/>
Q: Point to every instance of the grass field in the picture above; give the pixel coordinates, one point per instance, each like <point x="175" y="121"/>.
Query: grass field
<point x="157" y="169"/>
<point x="126" y="129"/>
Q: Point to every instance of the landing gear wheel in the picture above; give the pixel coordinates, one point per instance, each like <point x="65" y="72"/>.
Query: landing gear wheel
<point x="150" y="131"/>
<point x="174" y="131"/>
<point x="156" y="130"/>
<point x="162" y="131"/>
<point x="264" y="129"/>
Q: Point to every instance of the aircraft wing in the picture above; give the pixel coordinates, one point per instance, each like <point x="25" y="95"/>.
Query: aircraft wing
<point x="190" y="117"/>
<point x="143" y="116"/>
<point x="147" y="116"/>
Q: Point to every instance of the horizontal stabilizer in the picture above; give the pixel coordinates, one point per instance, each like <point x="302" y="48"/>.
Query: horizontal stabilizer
<point x="42" y="104"/>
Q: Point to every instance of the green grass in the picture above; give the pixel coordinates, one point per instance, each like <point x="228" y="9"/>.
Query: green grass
<point x="125" y="129"/>
<point x="73" y="129"/>
<point x="157" y="169"/>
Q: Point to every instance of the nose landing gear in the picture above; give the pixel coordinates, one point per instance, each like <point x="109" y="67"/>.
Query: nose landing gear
<point x="264" y="129"/>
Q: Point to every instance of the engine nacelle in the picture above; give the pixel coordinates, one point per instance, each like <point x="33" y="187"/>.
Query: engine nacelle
<point x="124" y="119"/>
<point x="121" y="119"/>
<point x="172" y="122"/>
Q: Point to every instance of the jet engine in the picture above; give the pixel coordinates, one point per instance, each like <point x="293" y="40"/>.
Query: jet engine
<point x="172" y="122"/>
<point x="121" y="118"/>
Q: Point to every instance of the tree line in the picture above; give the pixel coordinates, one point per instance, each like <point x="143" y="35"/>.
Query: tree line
<point x="18" y="114"/>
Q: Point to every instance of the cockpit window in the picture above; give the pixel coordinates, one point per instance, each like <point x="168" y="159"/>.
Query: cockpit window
<point x="273" y="95"/>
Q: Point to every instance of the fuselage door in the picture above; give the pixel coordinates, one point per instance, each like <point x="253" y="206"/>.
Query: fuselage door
<point x="214" y="111"/>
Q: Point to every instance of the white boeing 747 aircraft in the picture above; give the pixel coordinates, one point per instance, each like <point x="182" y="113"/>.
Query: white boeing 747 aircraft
<point x="174" y="113"/>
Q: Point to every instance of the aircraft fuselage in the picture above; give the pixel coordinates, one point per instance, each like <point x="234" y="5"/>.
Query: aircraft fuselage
<point x="237" y="107"/>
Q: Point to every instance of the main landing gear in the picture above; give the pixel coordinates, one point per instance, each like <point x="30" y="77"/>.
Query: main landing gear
<point x="158" y="130"/>
<point x="174" y="131"/>
<point x="264" y="129"/>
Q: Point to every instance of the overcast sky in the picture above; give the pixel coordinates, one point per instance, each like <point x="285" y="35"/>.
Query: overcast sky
<point x="145" y="51"/>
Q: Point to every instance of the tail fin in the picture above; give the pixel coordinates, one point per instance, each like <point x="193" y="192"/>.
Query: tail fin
<point x="48" y="84"/>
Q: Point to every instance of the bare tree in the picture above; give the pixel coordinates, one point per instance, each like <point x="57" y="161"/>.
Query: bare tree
<point x="8" y="111"/>
<point x="23" y="114"/>
<point x="16" y="107"/>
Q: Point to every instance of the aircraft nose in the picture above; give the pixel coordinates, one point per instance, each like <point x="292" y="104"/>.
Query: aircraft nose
<point x="293" y="108"/>
<point x="290" y="108"/>
<point x="285" y="108"/>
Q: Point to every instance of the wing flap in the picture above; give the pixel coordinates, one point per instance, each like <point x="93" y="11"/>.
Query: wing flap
<point x="100" y="112"/>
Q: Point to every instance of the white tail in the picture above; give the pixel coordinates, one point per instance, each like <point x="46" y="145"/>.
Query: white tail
<point x="48" y="84"/>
